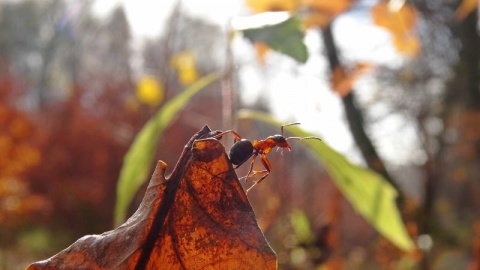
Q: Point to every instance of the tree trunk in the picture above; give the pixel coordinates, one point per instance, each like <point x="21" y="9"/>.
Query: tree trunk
<point x="354" y="115"/>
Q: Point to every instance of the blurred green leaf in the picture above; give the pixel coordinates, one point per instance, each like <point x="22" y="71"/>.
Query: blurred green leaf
<point x="370" y="194"/>
<point x="285" y="37"/>
<point x="301" y="226"/>
<point x="138" y="160"/>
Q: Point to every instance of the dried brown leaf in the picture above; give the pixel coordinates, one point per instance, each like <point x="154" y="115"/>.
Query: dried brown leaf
<point x="198" y="218"/>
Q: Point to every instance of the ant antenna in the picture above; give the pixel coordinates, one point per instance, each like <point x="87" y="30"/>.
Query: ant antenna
<point x="286" y="125"/>
<point x="303" y="138"/>
<point x="298" y="138"/>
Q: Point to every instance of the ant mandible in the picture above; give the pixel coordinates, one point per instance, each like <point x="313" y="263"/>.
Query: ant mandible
<point x="244" y="149"/>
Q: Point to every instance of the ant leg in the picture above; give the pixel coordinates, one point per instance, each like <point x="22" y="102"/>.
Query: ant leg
<point x="268" y="168"/>
<point x="266" y="164"/>
<point x="235" y="134"/>
<point x="250" y="170"/>
<point x="257" y="173"/>
<point x="251" y="173"/>
<point x="266" y="172"/>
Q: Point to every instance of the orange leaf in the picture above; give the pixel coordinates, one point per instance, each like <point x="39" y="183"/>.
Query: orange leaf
<point x="398" y="20"/>
<point x="258" y="6"/>
<point x="407" y="44"/>
<point x="401" y="22"/>
<point x="330" y="7"/>
<point x="342" y="81"/>
<point x="262" y="50"/>
<point x="318" y="18"/>
<point x="198" y="218"/>
<point x="465" y="8"/>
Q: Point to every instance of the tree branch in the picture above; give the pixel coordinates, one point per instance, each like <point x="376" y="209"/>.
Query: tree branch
<point x="354" y="115"/>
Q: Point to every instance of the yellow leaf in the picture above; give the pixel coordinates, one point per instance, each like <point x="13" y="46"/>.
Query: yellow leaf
<point x="259" y="6"/>
<point x="149" y="90"/>
<point x="465" y="8"/>
<point x="188" y="75"/>
<point x="185" y="64"/>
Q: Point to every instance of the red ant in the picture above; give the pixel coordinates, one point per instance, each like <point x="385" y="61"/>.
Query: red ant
<point x="243" y="149"/>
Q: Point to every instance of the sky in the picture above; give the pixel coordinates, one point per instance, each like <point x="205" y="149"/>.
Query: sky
<point x="147" y="18"/>
<point x="296" y="93"/>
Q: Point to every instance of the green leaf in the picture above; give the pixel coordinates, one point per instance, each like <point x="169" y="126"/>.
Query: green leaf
<point x="285" y="37"/>
<point x="301" y="226"/>
<point x="138" y="160"/>
<point x="368" y="192"/>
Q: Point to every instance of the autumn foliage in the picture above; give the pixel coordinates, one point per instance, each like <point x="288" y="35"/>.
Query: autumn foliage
<point x="400" y="19"/>
<point x="73" y="97"/>
<point x="17" y="155"/>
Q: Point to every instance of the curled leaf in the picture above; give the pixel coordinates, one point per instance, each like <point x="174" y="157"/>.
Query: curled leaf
<point x="198" y="218"/>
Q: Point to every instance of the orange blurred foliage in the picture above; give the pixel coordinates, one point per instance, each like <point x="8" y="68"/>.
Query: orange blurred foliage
<point x="258" y="6"/>
<point x="342" y="80"/>
<point x="317" y="18"/>
<point x="465" y="8"/>
<point x="400" y="21"/>
<point x="16" y="152"/>
<point x="319" y="12"/>
<point x="17" y="155"/>
<point x="408" y="44"/>
<point x="329" y="7"/>
<point x="262" y="49"/>
<point x="17" y="203"/>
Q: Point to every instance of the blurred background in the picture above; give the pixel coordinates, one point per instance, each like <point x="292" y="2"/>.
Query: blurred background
<point x="392" y="85"/>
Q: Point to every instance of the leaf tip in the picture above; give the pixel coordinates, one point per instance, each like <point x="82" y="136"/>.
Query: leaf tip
<point x="37" y="265"/>
<point x="204" y="130"/>
<point x="159" y="173"/>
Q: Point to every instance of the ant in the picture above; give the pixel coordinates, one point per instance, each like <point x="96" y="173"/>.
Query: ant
<point x="244" y="149"/>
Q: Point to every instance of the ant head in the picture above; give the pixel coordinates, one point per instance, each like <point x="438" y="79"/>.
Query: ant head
<point x="281" y="141"/>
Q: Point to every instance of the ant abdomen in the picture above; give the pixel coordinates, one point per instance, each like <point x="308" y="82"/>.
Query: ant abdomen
<point x="241" y="151"/>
